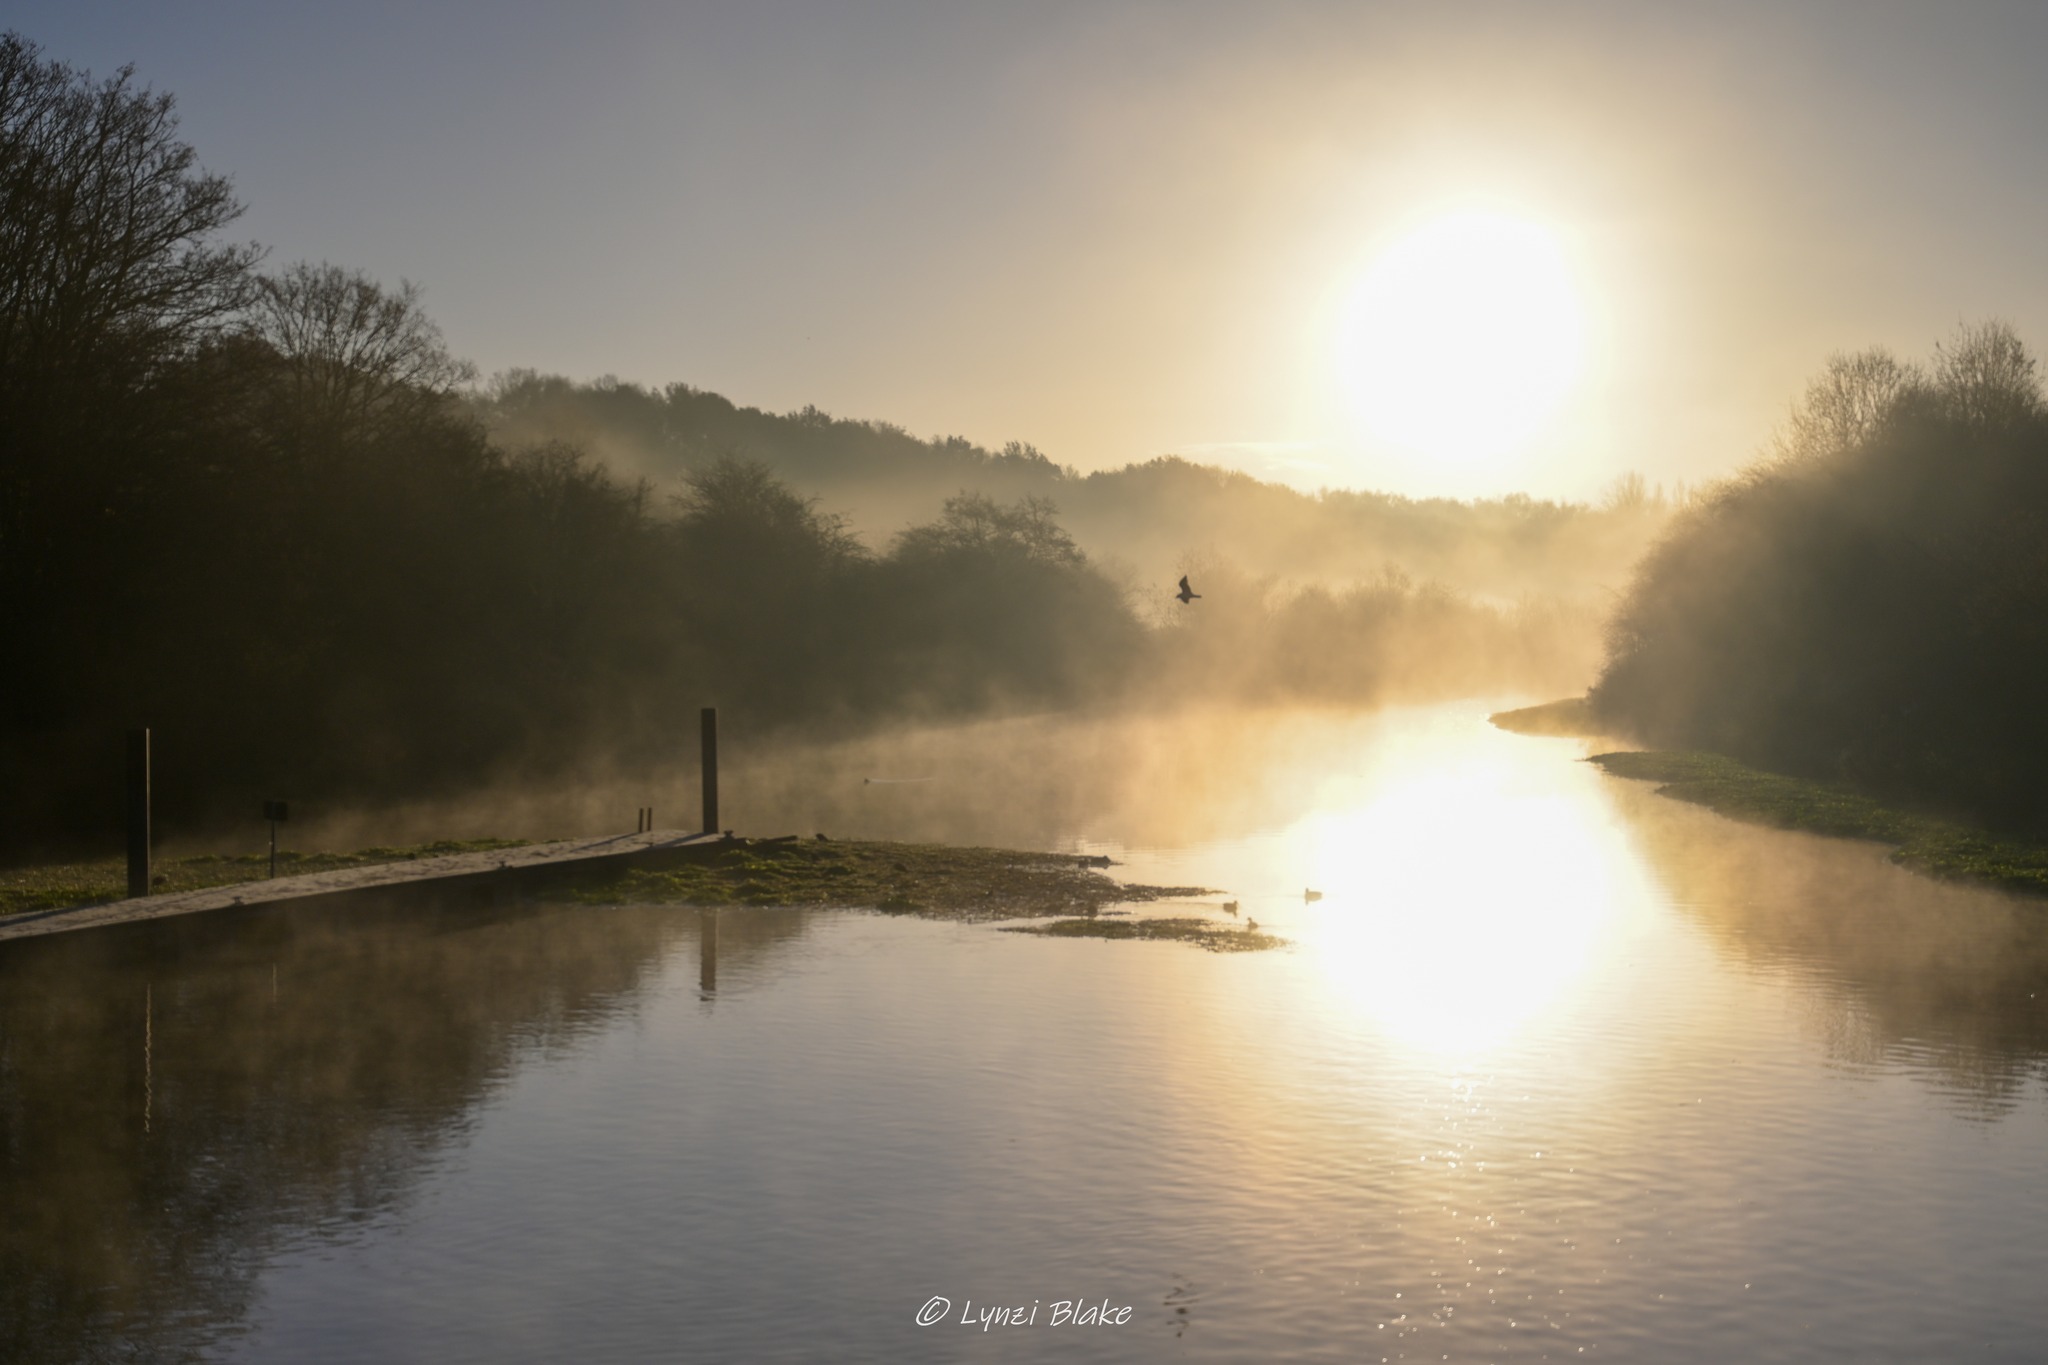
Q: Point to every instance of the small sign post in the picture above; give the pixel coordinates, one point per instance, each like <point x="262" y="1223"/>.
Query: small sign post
<point x="276" y="812"/>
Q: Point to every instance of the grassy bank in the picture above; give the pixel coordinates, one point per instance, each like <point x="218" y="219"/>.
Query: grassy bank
<point x="1940" y="848"/>
<point x="51" y="886"/>
<point x="928" y="879"/>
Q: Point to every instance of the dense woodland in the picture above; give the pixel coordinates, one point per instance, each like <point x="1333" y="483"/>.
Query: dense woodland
<point x="1150" y="515"/>
<point x="1870" y="603"/>
<point x="264" y="511"/>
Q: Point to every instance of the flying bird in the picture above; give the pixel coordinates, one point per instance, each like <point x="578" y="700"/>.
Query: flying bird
<point x="1186" y="593"/>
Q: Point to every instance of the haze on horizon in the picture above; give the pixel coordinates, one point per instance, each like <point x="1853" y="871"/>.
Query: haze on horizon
<point x="1117" y="231"/>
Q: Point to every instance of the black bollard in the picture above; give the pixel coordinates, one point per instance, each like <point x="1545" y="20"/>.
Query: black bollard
<point x="138" y="813"/>
<point x="709" y="750"/>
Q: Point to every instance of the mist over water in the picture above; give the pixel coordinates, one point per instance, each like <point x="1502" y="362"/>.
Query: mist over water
<point x="1184" y="773"/>
<point x="1551" y="1064"/>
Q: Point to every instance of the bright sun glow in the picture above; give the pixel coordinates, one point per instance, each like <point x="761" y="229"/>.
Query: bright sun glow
<point x="1462" y="338"/>
<point x="1455" y="954"/>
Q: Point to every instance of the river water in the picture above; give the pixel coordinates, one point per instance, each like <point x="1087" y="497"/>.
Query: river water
<point x="1553" y="1069"/>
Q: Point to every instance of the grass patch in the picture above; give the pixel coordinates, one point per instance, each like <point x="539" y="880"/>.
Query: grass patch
<point x="1940" y="848"/>
<point x="53" y="886"/>
<point x="931" y="879"/>
<point x="1217" y="938"/>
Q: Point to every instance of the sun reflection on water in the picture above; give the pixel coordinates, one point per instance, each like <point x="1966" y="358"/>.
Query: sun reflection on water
<point x="1486" y="906"/>
<point x="1467" y="898"/>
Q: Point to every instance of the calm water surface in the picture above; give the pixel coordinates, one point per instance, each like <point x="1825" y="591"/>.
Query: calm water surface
<point x="1554" y="1069"/>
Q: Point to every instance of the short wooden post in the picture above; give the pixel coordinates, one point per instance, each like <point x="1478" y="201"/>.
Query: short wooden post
<point x="274" y="811"/>
<point x="709" y="750"/>
<point x="138" y="813"/>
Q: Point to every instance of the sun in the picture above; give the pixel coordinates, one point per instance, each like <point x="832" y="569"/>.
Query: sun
<point x="1462" y="339"/>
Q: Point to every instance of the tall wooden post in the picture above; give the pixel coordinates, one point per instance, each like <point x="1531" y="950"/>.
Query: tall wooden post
<point x="138" y="813"/>
<point x="707" y="954"/>
<point x="709" y="749"/>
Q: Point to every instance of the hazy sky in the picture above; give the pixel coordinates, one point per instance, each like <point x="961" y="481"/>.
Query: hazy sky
<point x="1117" y="230"/>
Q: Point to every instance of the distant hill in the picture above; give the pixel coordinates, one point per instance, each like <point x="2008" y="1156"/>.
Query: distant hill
<point x="1153" y="519"/>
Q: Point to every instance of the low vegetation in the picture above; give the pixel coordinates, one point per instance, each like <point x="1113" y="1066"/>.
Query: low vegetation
<point x="971" y="883"/>
<point x="1217" y="938"/>
<point x="1938" y="847"/>
<point x="978" y="884"/>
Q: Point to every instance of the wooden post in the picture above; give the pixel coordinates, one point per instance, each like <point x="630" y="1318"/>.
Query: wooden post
<point x="707" y="950"/>
<point x="709" y="749"/>
<point x="274" y="811"/>
<point x="138" y="813"/>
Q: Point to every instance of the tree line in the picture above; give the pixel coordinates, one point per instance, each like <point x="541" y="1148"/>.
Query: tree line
<point x="1870" y="601"/>
<point x="884" y="478"/>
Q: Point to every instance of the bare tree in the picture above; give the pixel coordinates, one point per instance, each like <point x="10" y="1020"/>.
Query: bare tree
<point x="1847" y="403"/>
<point x="111" y="274"/>
<point x="1628" y="492"/>
<point x="1984" y="377"/>
<point x="357" y="357"/>
<point x="107" y="262"/>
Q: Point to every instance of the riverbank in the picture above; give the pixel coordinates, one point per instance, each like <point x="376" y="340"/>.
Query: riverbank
<point x="1949" y="849"/>
<point x="1937" y="847"/>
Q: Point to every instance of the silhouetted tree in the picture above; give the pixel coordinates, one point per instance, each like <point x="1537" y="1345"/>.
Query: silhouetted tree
<point x="108" y="261"/>
<point x="354" y="358"/>
<point x="112" y="278"/>
<point x="1847" y="404"/>
<point x="977" y="524"/>
<point x="1875" y="608"/>
<point x="736" y="512"/>
<point x="1985" y="379"/>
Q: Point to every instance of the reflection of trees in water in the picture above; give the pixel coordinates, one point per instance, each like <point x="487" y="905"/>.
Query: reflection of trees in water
<point x="142" y="1193"/>
<point x="1898" y="970"/>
